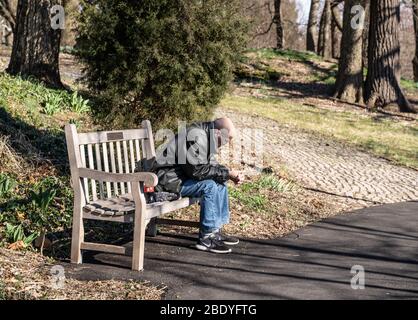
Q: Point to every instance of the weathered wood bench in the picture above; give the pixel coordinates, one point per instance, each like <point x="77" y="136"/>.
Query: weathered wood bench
<point x="106" y="187"/>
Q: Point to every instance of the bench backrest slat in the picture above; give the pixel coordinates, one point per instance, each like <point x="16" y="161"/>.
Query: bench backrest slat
<point x="126" y="159"/>
<point x="99" y="167"/>
<point x="108" y="151"/>
<point x="91" y="166"/>
<point x="120" y="164"/>
<point x="106" y="166"/>
<point x="85" y="180"/>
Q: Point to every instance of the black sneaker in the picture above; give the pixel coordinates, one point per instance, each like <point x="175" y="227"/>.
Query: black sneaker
<point x="228" y="240"/>
<point x="211" y="243"/>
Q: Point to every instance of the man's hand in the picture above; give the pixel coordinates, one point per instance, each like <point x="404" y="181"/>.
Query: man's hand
<point x="236" y="177"/>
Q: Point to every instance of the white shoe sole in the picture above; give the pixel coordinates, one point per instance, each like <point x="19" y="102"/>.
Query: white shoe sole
<point x="231" y="243"/>
<point x="204" y="248"/>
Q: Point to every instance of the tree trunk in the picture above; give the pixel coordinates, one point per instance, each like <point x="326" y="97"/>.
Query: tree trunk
<point x="383" y="77"/>
<point x="336" y="14"/>
<point x="335" y="38"/>
<point x="6" y="11"/>
<point x="415" y="61"/>
<point x="7" y="37"/>
<point x="278" y="22"/>
<point x="312" y="32"/>
<point x="366" y="31"/>
<point x="349" y="84"/>
<point x="336" y="26"/>
<point x="36" y="44"/>
<point x="324" y="39"/>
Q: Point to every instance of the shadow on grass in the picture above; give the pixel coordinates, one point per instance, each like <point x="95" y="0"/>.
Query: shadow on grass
<point x="33" y="144"/>
<point x="259" y="73"/>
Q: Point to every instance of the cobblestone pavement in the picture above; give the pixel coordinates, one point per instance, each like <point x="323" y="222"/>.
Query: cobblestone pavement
<point x="332" y="167"/>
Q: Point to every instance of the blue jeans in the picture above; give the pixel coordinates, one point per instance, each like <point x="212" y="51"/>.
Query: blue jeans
<point x="214" y="207"/>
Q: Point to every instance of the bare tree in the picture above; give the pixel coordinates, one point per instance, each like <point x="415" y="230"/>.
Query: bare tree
<point x="366" y="31"/>
<point x="350" y="80"/>
<point x="312" y="32"/>
<point x="36" y="44"/>
<point x="415" y="60"/>
<point x="336" y="27"/>
<point x="293" y="35"/>
<point x="383" y="77"/>
<point x="324" y="39"/>
<point x="277" y="18"/>
<point x="7" y="12"/>
<point x="271" y="27"/>
<point x="336" y="14"/>
<point x="8" y="19"/>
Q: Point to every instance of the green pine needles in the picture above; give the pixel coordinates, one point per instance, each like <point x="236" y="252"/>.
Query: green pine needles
<point x="165" y="60"/>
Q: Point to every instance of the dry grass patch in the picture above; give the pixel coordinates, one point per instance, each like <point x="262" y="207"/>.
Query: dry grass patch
<point x="10" y="162"/>
<point x="27" y="275"/>
<point x="267" y="206"/>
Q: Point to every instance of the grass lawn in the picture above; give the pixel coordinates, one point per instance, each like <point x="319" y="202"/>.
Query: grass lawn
<point x="271" y="75"/>
<point x="394" y="140"/>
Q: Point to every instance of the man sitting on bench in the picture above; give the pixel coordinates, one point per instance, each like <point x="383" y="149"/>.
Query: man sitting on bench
<point x="186" y="165"/>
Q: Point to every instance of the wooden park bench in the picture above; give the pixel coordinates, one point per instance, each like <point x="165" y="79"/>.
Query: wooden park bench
<point x="106" y="187"/>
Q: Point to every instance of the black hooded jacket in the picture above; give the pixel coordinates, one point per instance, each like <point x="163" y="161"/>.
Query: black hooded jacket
<point x="190" y="154"/>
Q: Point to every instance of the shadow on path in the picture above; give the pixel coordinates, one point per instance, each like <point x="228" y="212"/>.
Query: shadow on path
<point x="314" y="263"/>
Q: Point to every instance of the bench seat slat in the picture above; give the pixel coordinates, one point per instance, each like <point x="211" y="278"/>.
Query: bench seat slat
<point x="123" y="205"/>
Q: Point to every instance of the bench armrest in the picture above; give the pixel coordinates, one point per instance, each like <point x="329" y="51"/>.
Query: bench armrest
<point x="148" y="178"/>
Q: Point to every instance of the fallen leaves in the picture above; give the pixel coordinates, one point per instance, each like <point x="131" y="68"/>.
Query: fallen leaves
<point x="28" y="275"/>
<point x="21" y="216"/>
<point x="18" y="245"/>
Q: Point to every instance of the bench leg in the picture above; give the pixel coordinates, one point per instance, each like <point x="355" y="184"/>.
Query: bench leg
<point x="152" y="228"/>
<point x="139" y="228"/>
<point x="78" y="231"/>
